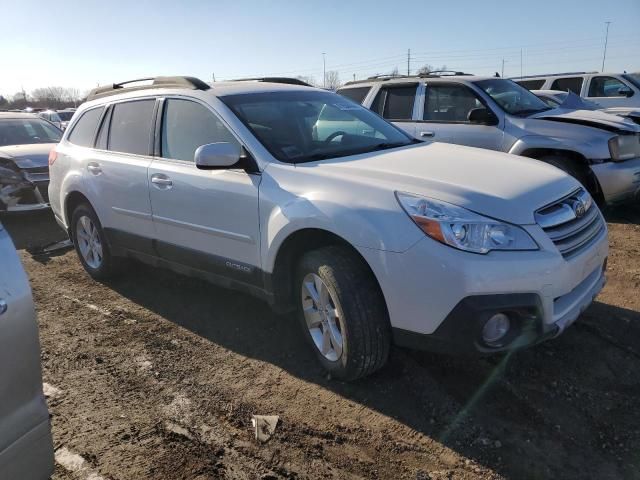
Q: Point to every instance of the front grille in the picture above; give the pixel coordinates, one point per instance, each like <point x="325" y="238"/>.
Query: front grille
<point x="572" y="223"/>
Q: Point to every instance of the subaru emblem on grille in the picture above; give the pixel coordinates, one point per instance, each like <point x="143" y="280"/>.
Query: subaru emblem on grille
<point x="579" y="208"/>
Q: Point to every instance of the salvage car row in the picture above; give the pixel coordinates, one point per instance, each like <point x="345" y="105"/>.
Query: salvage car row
<point x="373" y="233"/>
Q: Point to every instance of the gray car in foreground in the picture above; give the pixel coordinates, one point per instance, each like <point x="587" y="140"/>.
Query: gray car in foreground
<point x="26" y="448"/>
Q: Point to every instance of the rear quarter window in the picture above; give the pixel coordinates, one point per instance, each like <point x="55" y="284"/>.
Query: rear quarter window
<point x="84" y="130"/>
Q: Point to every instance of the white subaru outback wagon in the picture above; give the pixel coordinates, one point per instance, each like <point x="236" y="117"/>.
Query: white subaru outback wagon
<point x="373" y="237"/>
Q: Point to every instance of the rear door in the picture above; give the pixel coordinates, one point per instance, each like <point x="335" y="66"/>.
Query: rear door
<point x="116" y="173"/>
<point x="22" y="406"/>
<point x="444" y="117"/>
<point x="205" y="219"/>
<point x="396" y="102"/>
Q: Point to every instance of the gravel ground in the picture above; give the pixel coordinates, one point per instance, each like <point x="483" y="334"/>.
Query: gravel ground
<point x="156" y="376"/>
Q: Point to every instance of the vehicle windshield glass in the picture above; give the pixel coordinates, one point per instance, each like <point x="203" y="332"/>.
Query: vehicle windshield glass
<point x="65" y="116"/>
<point x="304" y="126"/>
<point x="633" y="78"/>
<point x="561" y="97"/>
<point x="513" y="98"/>
<point x="17" y="131"/>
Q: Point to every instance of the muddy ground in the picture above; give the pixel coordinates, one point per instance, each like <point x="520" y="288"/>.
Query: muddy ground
<point x="157" y="376"/>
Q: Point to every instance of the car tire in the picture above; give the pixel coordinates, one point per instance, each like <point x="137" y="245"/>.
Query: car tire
<point x="356" y="315"/>
<point x="91" y="244"/>
<point x="570" y="167"/>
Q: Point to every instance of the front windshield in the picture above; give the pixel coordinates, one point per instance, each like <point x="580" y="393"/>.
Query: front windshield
<point x="513" y="98"/>
<point x="633" y="78"/>
<point x="303" y="126"/>
<point x="65" y="116"/>
<point x="17" y="131"/>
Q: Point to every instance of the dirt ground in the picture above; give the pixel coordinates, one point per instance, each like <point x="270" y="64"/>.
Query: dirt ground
<point x="157" y="376"/>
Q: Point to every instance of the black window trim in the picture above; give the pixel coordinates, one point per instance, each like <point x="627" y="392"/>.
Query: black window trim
<point x="104" y="121"/>
<point x="383" y="89"/>
<point x="449" y="84"/>
<point x="95" y="132"/>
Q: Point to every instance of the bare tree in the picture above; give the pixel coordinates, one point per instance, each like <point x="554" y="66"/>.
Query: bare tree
<point x="426" y="69"/>
<point x="332" y="80"/>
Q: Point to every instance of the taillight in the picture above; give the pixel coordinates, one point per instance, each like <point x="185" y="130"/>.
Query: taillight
<point x="53" y="155"/>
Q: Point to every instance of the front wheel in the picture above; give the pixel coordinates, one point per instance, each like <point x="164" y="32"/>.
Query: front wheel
<point x="342" y="312"/>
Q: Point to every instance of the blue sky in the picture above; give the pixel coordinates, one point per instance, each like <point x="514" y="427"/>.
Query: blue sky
<point x="84" y="43"/>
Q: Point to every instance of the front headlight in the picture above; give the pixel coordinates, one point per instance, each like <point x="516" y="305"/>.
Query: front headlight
<point x="462" y="228"/>
<point x="624" y="147"/>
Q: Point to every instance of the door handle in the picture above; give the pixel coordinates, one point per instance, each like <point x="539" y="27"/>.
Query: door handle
<point x="161" y="181"/>
<point x="3" y="306"/>
<point x="94" y="168"/>
<point x="427" y="134"/>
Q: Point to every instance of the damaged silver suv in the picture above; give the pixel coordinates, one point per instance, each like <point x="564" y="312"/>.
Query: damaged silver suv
<point x="25" y="143"/>
<point x="602" y="151"/>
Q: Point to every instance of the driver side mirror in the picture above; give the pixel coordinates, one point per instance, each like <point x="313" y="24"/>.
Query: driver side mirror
<point x="625" y="92"/>
<point x="217" y="156"/>
<point x="482" y="116"/>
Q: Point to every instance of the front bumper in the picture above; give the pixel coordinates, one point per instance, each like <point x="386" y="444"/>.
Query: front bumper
<point x="29" y="197"/>
<point x="461" y="331"/>
<point x="439" y="298"/>
<point x="620" y="181"/>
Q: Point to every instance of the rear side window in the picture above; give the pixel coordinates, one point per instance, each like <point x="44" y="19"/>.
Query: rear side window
<point x="573" y="84"/>
<point x="130" y="130"/>
<point x="395" y="103"/>
<point x="355" y="94"/>
<point x="531" y="84"/>
<point x="84" y="130"/>
<point x="187" y="125"/>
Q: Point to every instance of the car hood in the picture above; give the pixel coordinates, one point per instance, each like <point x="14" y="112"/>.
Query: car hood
<point x="28" y="156"/>
<point x="495" y="184"/>
<point x="589" y="118"/>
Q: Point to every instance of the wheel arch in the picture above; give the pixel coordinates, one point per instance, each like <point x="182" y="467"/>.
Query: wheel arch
<point x="71" y="202"/>
<point x="289" y="253"/>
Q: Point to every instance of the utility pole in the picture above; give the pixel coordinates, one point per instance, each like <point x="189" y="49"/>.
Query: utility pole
<point x="520" y="63"/>
<point x="502" y="74"/>
<point x="606" y="39"/>
<point x="354" y="77"/>
<point x="324" y="70"/>
<point x="213" y="76"/>
<point x="408" y="62"/>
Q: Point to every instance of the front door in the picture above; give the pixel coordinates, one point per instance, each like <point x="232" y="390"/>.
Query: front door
<point x="444" y="117"/>
<point x="204" y="219"/>
<point x="611" y="92"/>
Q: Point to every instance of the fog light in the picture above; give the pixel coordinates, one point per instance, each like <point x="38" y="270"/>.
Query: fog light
<point x="495" y="328"/>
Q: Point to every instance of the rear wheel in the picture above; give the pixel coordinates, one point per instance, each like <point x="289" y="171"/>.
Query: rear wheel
<point x="91" y="245"/>
<point x="342" y="312"/>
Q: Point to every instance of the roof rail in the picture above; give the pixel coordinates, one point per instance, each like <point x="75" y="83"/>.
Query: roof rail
<point x="287" y="80"/>
<point x="156" y="82"/>
<point x="444" y="73"/>
<point x="551" y="75"/>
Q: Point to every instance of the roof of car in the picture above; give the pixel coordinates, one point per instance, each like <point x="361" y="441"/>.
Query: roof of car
<point x="18" y="115"/>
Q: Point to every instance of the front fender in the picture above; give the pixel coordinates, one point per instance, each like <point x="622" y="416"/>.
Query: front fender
<point x="379" y="224"/>
<point x="597" y="151"/>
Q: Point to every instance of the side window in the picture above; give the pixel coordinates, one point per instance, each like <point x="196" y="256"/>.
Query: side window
<point x="531" y="84"/>
<point x="84" y="129"/>
<point x="399" y="102"/>
<point x="449" y="103"/>
<point x="605" y="87"/>
<point x="187" y="125"/>
<point x="572" y="84"/>
<point x="103" y="132"/>
<point x="130" y="130"/>
<point x="355" y="94"/>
